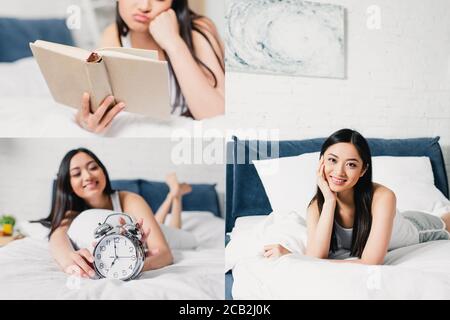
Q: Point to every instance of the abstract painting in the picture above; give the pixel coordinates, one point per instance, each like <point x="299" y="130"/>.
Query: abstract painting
<point x="289" y="37"/>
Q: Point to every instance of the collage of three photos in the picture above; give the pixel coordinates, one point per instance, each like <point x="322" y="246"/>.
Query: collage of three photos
<point x="224" y="150"/>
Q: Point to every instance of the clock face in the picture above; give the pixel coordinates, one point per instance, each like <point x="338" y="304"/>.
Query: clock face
<point x="115" y="257"/>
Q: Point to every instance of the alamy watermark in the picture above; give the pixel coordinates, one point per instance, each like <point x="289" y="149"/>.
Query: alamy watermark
<point x="373" y="17"/>
<point x="212" y="146"/>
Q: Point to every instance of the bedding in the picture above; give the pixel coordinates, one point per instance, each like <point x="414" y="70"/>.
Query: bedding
<point x="28" y="110"/>
<point x="296" y="276"/>
<point x="27" y="271"/>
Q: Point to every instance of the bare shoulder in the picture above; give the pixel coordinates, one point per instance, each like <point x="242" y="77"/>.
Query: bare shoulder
<point x="110" y="37"/>
<point x="128" y="198"/>
<point x="206" y="28"/>
<point x="382" y="192"/>
<point x="207" y="25"/>
<point x="383" y="200"/>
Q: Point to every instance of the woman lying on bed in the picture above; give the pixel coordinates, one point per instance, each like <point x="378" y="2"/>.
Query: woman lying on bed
<point x="189" y="42"/>
<point x="353" y="216"/>
<point x="83" y="183"/>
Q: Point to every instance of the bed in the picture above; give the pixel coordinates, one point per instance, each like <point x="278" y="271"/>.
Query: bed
<point x="27" y="271"/>
<point x="416" y="272"/>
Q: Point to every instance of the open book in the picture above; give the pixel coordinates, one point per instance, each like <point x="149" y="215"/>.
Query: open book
<point x="134" y="76"/>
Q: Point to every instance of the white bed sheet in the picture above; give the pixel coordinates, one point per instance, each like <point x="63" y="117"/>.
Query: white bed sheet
<point x="416" y="272"/>
<point x="28" y="110"/>
<point x="27" y="271"/>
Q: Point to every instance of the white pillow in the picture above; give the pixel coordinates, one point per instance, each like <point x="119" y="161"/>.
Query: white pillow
<point x="290" y="182"/>
<point x="81" y="230"/>
<point x="391" y="170"/>
<point x="243" y="224"/>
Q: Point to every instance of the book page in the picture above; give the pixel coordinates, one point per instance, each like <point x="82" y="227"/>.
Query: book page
<point x="70" y="51"/>
<point x="143" y="84"/>
<point x="149" y="54"/>
<point x="119" y="54"/>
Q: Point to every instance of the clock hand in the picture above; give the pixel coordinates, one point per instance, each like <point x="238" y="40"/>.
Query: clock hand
<point x="115" y="259"/>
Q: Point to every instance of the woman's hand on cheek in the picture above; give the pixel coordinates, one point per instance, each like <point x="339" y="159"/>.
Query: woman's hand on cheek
<point x="165" y="29"/>
<point x="322" y="182"/>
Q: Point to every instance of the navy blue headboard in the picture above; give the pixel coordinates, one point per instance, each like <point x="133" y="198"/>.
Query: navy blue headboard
<point x="245" y="194"/>
<point x="16" y="35"/>
<point x="203" y="197"/>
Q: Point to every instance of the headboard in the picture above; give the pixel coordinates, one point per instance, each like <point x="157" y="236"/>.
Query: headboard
<point x="203" y="197"/>
<point x="245" y="194"/>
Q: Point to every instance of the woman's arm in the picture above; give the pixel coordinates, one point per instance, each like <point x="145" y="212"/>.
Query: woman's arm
<point x="320" y="229"/>
<point x="68" y="259"/>
<point x="383" y="213"/>
<point x="196" y="83"/>
<point x="136" y="206"/>
<point x="320" y="224"/>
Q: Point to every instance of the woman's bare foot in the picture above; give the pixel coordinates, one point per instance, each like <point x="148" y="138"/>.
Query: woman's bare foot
<point x="446" y="218"/>
<point x="174" y="185"/>
<point x="185" y="188"/>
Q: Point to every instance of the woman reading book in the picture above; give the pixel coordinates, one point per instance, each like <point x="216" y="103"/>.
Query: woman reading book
<point x="187" y="41"/>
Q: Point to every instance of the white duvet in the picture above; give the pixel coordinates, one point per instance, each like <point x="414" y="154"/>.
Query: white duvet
<point x="416" y="272"/>
<point x="27" y="271"/>
<point x="28" y="110"/>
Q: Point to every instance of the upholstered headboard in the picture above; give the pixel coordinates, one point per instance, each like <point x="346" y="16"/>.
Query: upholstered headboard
<point x="245" y="194"/>
<point x="203" y="197"/>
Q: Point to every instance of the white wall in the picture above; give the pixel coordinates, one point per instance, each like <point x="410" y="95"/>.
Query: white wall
<point x="213" y="9"/>
<point x="398" y="80"/>
<point x="28" y="167"/>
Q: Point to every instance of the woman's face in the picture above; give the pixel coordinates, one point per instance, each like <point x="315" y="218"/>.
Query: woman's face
<point x="138" y="14"/>
<point x="86" y="177"/>
<point x="343" y="166"/>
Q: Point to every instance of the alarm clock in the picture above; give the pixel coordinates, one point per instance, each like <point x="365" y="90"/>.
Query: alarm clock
<point x="120" y="253"/>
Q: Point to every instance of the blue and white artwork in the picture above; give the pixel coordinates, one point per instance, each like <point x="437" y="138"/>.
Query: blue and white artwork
<point x="289" y="37"/>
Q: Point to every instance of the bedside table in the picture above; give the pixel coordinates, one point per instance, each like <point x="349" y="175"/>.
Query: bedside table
<point x="4" y="240"/>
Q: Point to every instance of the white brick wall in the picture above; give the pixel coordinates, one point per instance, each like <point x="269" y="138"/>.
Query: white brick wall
<point x="28" y="166"/>
<point x="397" y="86"/>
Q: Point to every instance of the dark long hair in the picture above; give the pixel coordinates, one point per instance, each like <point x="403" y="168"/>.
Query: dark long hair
<point x="64" y="199"/>
<point x="187" y="23"/>
<point x="363" y="191"/>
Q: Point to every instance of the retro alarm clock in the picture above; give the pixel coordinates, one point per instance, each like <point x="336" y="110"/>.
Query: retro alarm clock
<point x="120" y="253"/>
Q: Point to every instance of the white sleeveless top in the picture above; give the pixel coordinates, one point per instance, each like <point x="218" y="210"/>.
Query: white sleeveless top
<point x="404" y="233"/>
<point x="115" y="199"/>
<point x="177" y="109"/>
